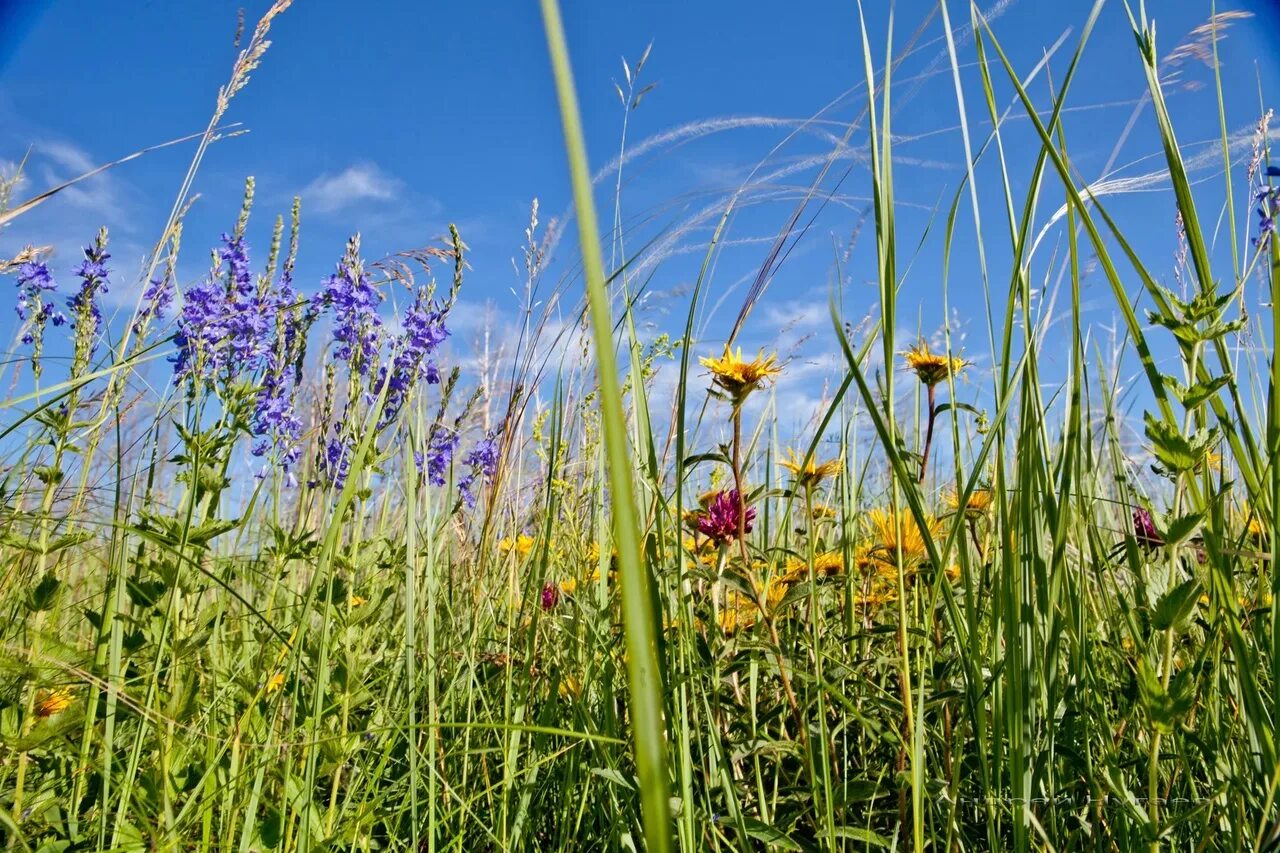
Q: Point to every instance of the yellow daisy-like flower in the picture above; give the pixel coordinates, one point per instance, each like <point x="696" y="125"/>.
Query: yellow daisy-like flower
<point x="978" y="504"/>
<point x="742" y="611"/>
<point x="932" y="368"/>
<point x="275" y="682"/>
<point x="823" y="512"/>
<point x="52" y="702"/>
<point x="522" y="545"/>
<point x="880" y="592"/>
<point x="358" y="600"/>
<point x="824" y="565"/>
<point x="737" y="376"/>
<point x="899" y="536"/>
<point x="812" y="472"/>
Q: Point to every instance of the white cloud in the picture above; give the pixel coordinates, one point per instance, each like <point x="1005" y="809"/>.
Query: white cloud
<point x="356" y="183"/>
<point x="61" y="161"/>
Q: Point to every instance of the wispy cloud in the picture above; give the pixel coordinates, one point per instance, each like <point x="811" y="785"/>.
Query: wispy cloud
<point x="356" y="183"/>
<point x="57" y="161"/>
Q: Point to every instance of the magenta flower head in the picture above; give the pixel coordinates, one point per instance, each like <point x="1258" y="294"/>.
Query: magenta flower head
<point x="719" y="521"/>
<point x="550" y="596"/>
<point x="1144" y="529"/>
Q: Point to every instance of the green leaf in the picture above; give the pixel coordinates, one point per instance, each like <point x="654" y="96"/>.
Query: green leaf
<point x="1176" y="605"/>
<point x="769" y="834"/>
<point x="865" y="836"/>
<point x="1180" y="529"/>
<point x="41" y="596"/>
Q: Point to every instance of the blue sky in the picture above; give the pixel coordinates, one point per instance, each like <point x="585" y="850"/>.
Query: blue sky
<point x="396" y="118"/>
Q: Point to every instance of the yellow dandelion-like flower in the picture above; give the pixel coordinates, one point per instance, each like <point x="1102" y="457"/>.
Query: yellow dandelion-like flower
<point x="823" y="512"/>
<point x="879" y="593"/>
<point x="275" y="682"/>
<point x="52" y="702"/>
<point x="898" y="535"/>
<point x="824" y="565"/>
<point x="978" y="504"/>
<point x="522" y="545"/>
<point x="737" y="376"/>
<point x="812" y="472"/>
<point x="357" y="600"/>
<point x="570" y="687"/>
<point x="932" y="368"/>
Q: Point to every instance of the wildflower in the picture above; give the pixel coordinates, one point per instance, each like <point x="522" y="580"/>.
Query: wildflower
<point x="33" y="280"/>
<point x="824" y="565"/>
<point x="334" y="463"/>
<point x="823" y="511"/>
<point x="737" y="376"/>
<point x="440" y="449"/>
<point x="809" y="473"/>
<point x="1144" y="529"/>
<point x="53" y="702"/>
<point x="202" y="328"/>
<point x="897" y="536"/>
<point x="932" y="368"/>
<point x="878" y="592"/>
<point x="357" y="327"/>
<point x="357" y="600"/>
<point x="86" y="316"/>
<point x="550" y="596"/>
<point x="522" y="545"/>
<point x="155" y="301"/>
<point x="742" y="611"/>
<point x="483" y="461"/>
<point x="723" y="516"/>
<point x="275" y="682"/>
<point x="977" y="505"/>
<point x="424" y="331"/>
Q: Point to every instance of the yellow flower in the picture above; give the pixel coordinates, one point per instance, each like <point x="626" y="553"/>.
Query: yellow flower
<point x="824" y="565"/>
<point x="706" y="551"/>
<point x="811" y="472"/>
<point x="823" y="511"/>
<point x="53" y="702"/>
<point x="879" y="592"/>
<point x="930" y="367"/>
<point x="737" y="376"/>
<point x="357" y="600"/>
<point x="522" y="545"/>
<point x="570" y="687"/>
<point x="975" y="507"/>
<point x="275" y="682"/>
<point x="742" y="611"/>
<point x="888" y="547"/>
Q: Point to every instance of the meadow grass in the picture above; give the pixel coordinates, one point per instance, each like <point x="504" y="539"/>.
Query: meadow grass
<point x="310" y="588"/>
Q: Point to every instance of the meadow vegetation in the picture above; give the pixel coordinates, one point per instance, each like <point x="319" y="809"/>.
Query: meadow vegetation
<point x="276" y="574"/>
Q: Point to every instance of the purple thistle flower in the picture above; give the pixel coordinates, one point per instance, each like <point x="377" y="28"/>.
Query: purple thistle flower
<point x="1144" y="529"/>
<point x="719" y="521"/>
